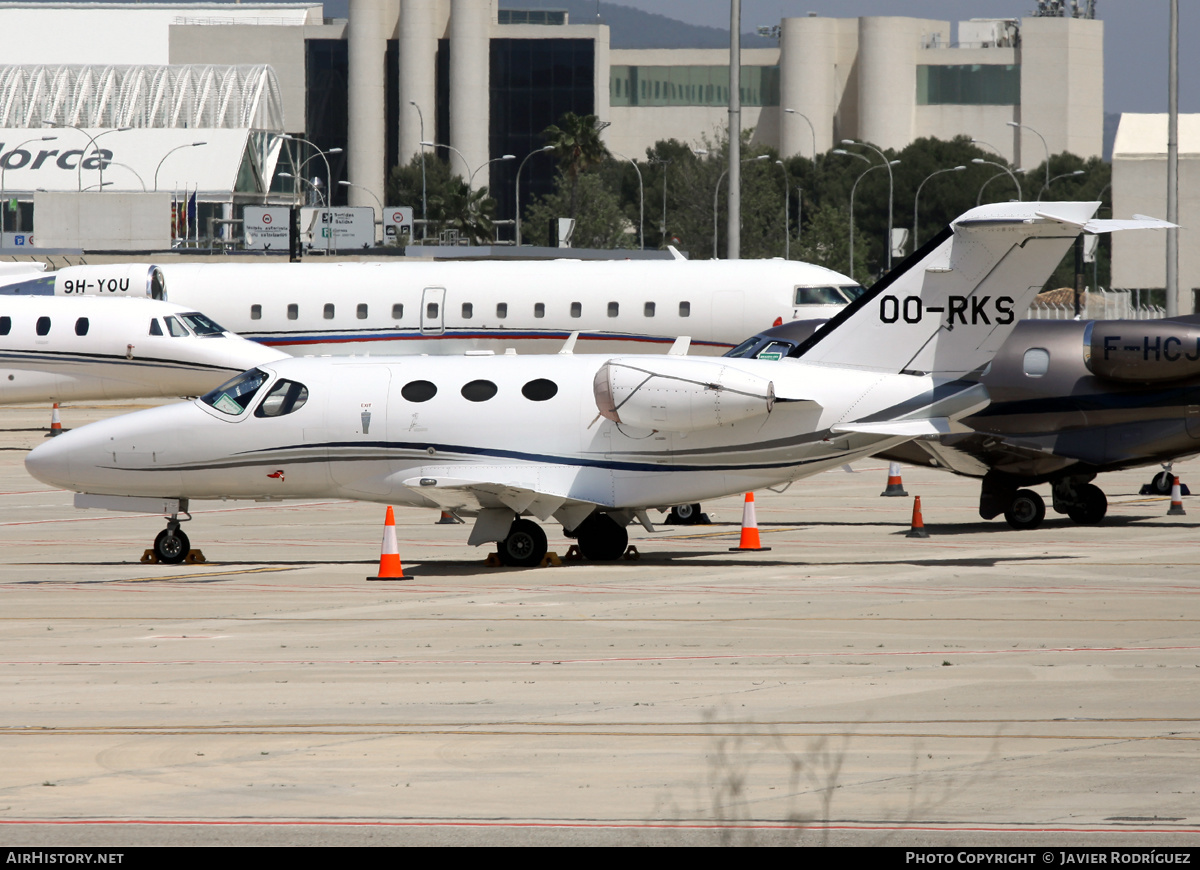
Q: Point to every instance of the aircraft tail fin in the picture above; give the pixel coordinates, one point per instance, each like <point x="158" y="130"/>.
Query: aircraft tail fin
<point x="949" y="306"/>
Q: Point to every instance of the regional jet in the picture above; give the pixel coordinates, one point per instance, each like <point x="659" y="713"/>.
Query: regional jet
<point x="592" y="441"/>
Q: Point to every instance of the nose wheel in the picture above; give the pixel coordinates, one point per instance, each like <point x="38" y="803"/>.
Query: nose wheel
<point x="172" y="545"/>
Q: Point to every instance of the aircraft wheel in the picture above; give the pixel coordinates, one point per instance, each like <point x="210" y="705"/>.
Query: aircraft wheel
<point x="1162" y="482"/>
<point x="684" y="515"/>
<point x="171" y="546"/>
<point x="601" y="538"/>
<point x="1026" y="510"/>
<point x="525" y="545"/>
<point x="1091" y="507"/>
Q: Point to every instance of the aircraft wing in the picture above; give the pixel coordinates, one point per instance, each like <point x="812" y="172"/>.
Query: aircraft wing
<point x="541" y="490"/>
<point x="908" y="428"/>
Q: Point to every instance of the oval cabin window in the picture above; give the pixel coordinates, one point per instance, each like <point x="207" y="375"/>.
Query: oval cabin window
<point x="419" y="391"/>
<point x="478" y="391"/>
<point x="81" y="326"/>
<point x="43" y="325"/>
<point x="539" y="390"/>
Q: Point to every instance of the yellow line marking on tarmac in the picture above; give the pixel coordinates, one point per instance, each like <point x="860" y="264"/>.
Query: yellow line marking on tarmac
<point x="203" y="576"/>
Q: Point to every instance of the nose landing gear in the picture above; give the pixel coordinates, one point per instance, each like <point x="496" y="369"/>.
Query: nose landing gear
<point x="172" y="546"/>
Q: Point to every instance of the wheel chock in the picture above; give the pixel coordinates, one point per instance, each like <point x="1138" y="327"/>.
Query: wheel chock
<point x="573" y="554"/>
<point x="493" y="561"/>
<point x="631" y="554"/>
<point x="194" y="557"/>
<point x="551" y="560"/>
<point x="149" y="557"/>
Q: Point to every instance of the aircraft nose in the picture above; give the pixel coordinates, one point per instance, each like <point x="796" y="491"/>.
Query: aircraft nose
<point x="50" y="462"/>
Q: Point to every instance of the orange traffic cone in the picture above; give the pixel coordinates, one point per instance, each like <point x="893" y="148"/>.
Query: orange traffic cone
<point x="749" y="527"/>
<point x="389" y="554"/>
<point x="1176" y="500"/>
<point x="55" y="422"/>
<point x="448" y="519"/>
<point x="894" y="485"/>
<point x="918" y="523"/>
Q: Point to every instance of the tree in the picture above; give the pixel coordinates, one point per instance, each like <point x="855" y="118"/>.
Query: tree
<point x="600" y="222"/>
<point x="577" y="146"/>
<point x="452" y="203"/>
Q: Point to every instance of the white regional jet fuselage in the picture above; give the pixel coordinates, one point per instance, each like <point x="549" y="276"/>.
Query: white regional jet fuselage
<point x="398" y="306"/>
<point x="591" y="440"/>
<point x="56" y="350"/>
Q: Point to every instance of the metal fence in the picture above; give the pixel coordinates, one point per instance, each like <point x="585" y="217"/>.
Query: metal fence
<point x="1095" y="305"/>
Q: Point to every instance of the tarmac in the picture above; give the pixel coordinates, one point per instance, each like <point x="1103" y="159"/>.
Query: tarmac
<point x="849" y="686"/>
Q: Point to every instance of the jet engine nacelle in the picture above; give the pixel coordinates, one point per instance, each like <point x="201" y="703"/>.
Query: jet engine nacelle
<point x="679" y="395"/>
<point x="1152" y="350"/>
<point x="119" y="279"/>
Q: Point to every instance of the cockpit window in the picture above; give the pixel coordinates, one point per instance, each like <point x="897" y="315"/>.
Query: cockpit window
<point x="177" y="329"/>
<point x="155" y="327"/>
<point x="853" y="291"/>
<point x="762" y="347"/>
<point x="233" y="397"/>
<point x="284" y="398"/>
<point x="819" y="296"/>
<point x="200" y="324"/>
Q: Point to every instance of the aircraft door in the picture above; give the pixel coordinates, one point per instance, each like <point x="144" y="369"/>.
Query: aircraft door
<point x="433" y="311"/>
<point x="729" y="310"/>
<point x="357" y="413"/>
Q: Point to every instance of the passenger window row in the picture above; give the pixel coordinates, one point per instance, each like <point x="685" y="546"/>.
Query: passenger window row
<point x="361" y="311"/>
<point x="537" y="390"/>
<point x="43" y="324"/>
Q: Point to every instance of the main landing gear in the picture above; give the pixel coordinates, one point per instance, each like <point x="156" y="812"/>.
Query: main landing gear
<point x="172" y="545"/>
<point x="1023" y="509"/>
<point x="600" y="537"/>
<point x="686" y="515"/>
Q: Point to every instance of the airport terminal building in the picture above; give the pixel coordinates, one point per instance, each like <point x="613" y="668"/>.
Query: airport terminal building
<point x="483" y="82"/>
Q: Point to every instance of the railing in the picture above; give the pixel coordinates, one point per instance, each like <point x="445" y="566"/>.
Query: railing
<point x="1096" y="305"/>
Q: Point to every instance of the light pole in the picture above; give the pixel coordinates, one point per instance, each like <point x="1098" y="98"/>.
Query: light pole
<point x="311" y="184"/>
<point x="3" y="167"/>
<point x="852" y="190"/>
<point x="811" y="129"/>
<point x="1017" y="184"/>
<point x="917" y="198"/>
<point x="168" y="154"/>
<point x="642" y="202"/>
<point x="373" y="196"/>
<point x="541" y="150"/>
<point x="131" y="169"/>
<point x="1056" y="178"/>
<point x="1017" y="126"/>
<point x="471" y="180"/>
<point x="662" y="229"/>
<point x="322" y="154"/>
<point x="461" y="156"/>
<point x="988" y="144"/>
<point x="787" y="194"/>
<point x="424" y="200"/>
<point x="717" y="190"/>
<point x="91" y="142"/>
<point x="891" y="191"/>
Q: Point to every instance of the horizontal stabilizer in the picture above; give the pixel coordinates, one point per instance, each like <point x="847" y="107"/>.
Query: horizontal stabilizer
<point x="1095" y="225"/>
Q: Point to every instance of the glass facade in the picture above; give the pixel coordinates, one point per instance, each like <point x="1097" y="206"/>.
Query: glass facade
<point x="325" y="122"/>
<point x="969" y="85"/>
<point x="532" y="16"/>
<point x="533" y="83"/>
<point x="690" y="86"/>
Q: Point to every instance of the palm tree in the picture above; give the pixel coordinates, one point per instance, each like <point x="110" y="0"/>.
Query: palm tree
<point x="577" y="145"/>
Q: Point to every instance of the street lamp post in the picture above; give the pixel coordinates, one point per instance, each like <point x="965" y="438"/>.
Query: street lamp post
<point x="461" y="156"/>
<point x="168" y="154"/>
<point x="717" y="190"/>
<point x="471" y="180"/>
<point x="811" y="129"/>
<point x="91" y="142"/>
<point x="917" y="198"/>
<point x="642" y="203"/>
<point x="1017" y="184"/>
<point x="1017" y="126"/>
<point x="3" y="167"/>
<point x="787" y="195"/>
<point x="541" y="150"/>
<point x="424" y="199"/>
<point x="373" y="196"/>
<point x="1056" y="178"/>
<point x="891" y="191"/>
<point x="320" y="153"/>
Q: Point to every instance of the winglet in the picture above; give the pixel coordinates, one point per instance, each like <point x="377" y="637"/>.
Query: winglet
<point x="569" y="345"/>
<point x="681" y="345"/>
<point x="675" y="255"/>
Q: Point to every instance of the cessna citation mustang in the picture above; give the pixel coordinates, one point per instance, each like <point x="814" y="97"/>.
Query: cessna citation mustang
<point x="593" y="441"/>
<point x="57" y="350"/>
<point x="617" y="306"/>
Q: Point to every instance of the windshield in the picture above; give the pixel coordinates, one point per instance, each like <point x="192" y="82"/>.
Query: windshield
<point x="200" y="324"/>
<point x="853" y="291"/>
<point x="233" y="397"/>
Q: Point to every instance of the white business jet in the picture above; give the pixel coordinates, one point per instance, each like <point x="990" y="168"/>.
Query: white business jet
<point x="397" y="306"/>
<point x="57" y="350"/>
<point x="593" y="441"/>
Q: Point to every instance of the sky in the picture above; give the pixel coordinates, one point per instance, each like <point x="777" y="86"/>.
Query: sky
<point x="1135" y="35"/>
